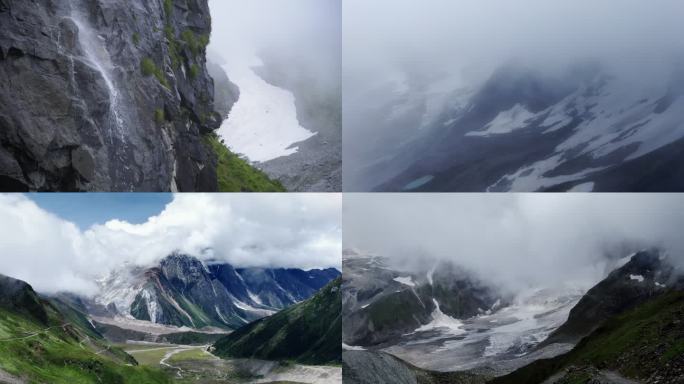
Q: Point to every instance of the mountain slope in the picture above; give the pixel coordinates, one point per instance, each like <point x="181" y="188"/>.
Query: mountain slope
<point x="643" y="277"/>
<point x="381" y="304"/>
<point x="39" y="344"/>
<point x="184" y="291"/>
<point x="523" y="130"/>
<point x="308" y="332"/>
<point x="644" y="343"/>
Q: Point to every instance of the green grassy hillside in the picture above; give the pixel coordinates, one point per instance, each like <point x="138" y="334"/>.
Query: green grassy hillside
<point x="38" y="343"/>
<point x="644" y="342"/>
<point x="309" y="332"/>
<point x="236" y="174"/>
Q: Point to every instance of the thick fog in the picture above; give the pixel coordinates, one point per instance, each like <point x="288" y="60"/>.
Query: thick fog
<point x="267" y="230"/>
<point x="407" y="56"/>
<point x="470" y="37"/>
<point x="516" y="241"/>
<point x="303" y="35"/>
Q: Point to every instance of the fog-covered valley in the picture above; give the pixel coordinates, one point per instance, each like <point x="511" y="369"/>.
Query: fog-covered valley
<point x="488" y="285"/>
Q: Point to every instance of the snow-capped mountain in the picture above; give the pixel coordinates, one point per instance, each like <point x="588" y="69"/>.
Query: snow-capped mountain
<point x="185" y="291"/>
<point x="586" y="129"/>
<point x="496" y="339"/>
<point x="380" y="304"/>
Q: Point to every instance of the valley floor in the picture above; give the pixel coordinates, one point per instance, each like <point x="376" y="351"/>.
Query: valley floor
<point x="195" y="364"/>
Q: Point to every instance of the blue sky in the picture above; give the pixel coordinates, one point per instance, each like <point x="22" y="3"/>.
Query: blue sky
<point x="86" y="209"/>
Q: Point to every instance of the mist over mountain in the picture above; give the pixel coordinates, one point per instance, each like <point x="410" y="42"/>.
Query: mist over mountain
<point x="511" y="288"/>
<point x="531" y="96"/>
<point x="517" y="241"/>
<point x="243" y="230"/>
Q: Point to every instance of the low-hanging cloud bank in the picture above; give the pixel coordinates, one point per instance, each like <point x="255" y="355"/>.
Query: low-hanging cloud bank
<point x="264" y="230"/>
<point x="299" y="33"/>
<point x="472" y="37"/>
<point x="516" y="241"/>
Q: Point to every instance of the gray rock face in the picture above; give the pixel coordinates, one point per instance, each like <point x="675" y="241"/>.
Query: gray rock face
<point x="363" y="367"/>
<point x="646" y="275"/>
<point x="102" y="95"/>
<point x="380" y="304"/>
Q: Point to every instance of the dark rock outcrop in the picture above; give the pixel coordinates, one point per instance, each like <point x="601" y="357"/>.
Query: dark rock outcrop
<point x="645" y="276"/>
<point x="105" y="96"/>
<point x="18" y="297"/>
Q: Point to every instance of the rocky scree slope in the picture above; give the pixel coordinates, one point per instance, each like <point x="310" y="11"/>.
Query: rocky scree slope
<point x="184" y="291"/>
<point x="105" y="96"/>
<point x="372" y="367"/>
<point x="308" y="332"/>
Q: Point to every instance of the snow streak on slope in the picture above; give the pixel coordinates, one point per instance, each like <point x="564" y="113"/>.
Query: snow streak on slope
<point x="502" y="340"/>
<point x="505" y="122"/>
<point x="263" y="124"/>
<point x="616" y="121"/>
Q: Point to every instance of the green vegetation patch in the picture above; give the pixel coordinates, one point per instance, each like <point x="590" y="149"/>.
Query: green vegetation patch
<point x="149" y="68"/>
<point x="193" y="354"/>
<point x="159" y="116"/>
<point x="236" y="174"/>
<point x="168" y="7"/>
<point x="150" y="356"/>
<point x="56" y="354"/>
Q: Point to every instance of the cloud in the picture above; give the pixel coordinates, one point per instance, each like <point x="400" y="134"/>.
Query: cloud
<point x="299" y="32"/>
<point x="453" y="35"/>
<point x="516" y="240"/>
<point x="263" y="230"/>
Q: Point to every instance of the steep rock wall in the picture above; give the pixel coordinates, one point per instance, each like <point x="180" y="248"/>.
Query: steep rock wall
<point x="105" y="95"/>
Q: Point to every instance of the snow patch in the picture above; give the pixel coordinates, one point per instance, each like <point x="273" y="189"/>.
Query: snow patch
<point x="262" y="124"/>
<point x="442" y="321"/>
<point x="638" y="278"/>
<point x="505" y="122"/>
<point x="352" y="347"/>
<point x="405" y="280"/>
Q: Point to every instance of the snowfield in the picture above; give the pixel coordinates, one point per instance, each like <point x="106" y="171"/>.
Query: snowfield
<point x="263" y="123"/>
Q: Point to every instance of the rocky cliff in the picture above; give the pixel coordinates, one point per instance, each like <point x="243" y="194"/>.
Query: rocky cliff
<point x="105" y="95"/>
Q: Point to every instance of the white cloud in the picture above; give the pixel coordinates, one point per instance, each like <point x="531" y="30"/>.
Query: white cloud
<point x="269" y="230"/>
<point x="515" y="240"/>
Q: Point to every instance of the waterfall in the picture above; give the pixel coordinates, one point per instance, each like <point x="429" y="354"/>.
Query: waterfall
<point x="98" y="58"/>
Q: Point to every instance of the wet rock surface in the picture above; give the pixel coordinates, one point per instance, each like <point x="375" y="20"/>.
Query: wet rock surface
<point x="105" y="96"/>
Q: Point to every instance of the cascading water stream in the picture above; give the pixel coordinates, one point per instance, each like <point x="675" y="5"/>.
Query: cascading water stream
<point x="98" y="58"/>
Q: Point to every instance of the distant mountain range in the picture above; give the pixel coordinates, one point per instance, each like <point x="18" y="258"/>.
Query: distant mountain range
<point x="184" y="291"/>
<point x="308" y="332"/>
